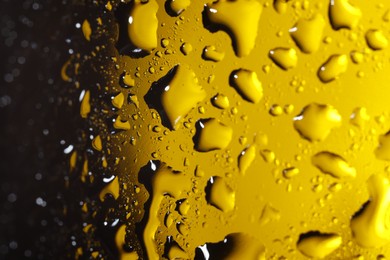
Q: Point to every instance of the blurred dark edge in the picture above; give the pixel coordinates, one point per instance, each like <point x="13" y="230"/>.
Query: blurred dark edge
<point x="35" y="116"/>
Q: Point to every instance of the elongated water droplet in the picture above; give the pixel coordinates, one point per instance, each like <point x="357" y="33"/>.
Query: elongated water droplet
<point x="87" y="31"/>
<point x="318" y="245"/>
<point x="333" y="68"/>
<point x="85" y="107"/>
<point x="333" y="164"/>
<point x="246" y="158"/>
<point x="165" y="182"/>
<point x="143" y="24"/>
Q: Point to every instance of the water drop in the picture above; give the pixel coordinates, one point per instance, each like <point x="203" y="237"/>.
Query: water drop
<point x="220" y="195"/>
<point x="376" y="40"/>
<point x="307" y="34"/>
<point x="318" y="245"/>
<point x="221" y="101"/>
<point x="247" y="85"/>
<point x="246" y="158"/>
<point x="285" y="58"/>
<point x="143" y="24"/>
<point x="343" y="15"/>
<point x="316" y="121"/>
<point x="87" y="31"/>
<point x="371" y="226"/>
<point x="333" y="164"/>
<point x="213" y="135"/>
<point x="333" y="68"/>
<point x="243" y="30"/>
<point x="211" y="53"/>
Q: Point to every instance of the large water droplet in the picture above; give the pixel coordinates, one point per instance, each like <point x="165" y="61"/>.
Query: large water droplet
<point x="162" y="181"/>
<point x="241" y="18"/>
<point x="343" y="15"/>
<point x="212" y="135"/>
<point x="220" y="195"/>
<point x="179" y="91"/>
<point x="143" y="24"/>
<point x="371" y="225"/>
<point x="307" y="34"/>
<point x="376" y="40"/>
<point x="316" y="121"/>
<point x="247" y="85"/>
